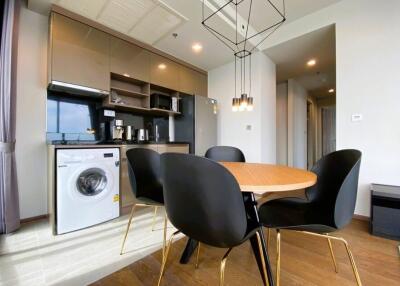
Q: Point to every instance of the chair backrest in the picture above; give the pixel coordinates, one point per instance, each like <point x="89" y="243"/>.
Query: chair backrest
<point x="144" y="174"/>
<point x="225" y="154"/>
<point x="203" y="199"/>
<point x="336" y="189"/>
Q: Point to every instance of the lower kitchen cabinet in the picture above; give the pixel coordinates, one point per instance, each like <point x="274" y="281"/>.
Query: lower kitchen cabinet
<point x="127" y="198"/>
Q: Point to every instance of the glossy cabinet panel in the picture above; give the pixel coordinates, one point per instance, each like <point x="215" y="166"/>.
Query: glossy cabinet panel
<point x="192" y="82"/>
<point x="187" y="80"/>
<point x="201" y="84"/>
<point x="80" y="53"/>
<point x="129" y="59"/>
<point x="164" y="72"/>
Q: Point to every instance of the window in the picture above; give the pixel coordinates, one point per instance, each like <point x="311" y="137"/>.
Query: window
<point x="70" y="119"/>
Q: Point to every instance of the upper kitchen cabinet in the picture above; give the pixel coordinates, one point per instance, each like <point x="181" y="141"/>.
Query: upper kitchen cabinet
<point x="129" y="60"/>
<point x="202" y="84"/>
<point x="79" y="54"/>
<point x="192" y="82"/>
<point x="164" y="72"/>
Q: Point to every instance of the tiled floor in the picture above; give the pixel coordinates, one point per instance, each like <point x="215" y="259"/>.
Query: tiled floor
<point x="33" y="256"/>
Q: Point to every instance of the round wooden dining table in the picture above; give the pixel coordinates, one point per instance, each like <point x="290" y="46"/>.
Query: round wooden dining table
<point x="260" y="180"/>
<point x="263" y="179"/>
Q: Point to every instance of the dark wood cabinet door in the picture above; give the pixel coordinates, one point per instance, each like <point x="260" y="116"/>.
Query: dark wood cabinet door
<point x="79" y="53"/>
<point x="129" y="60"/>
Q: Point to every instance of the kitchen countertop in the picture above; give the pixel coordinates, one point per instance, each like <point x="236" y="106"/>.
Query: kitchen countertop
<point x="80" y="144"/>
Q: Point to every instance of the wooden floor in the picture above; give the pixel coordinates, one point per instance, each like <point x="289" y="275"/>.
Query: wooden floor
<point x="305" y="260"/>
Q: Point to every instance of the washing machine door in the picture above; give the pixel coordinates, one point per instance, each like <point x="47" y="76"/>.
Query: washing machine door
<point x="91" y="182"/>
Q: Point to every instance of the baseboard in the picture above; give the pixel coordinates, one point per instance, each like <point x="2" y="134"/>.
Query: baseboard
<point x="361" y="217"/>
<point x="35" y="218"/>
<point x="127" y="209"/>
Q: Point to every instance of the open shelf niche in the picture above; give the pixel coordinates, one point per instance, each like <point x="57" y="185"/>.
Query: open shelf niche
<point x="165" y="91"/>
<point x="133" y="95"/>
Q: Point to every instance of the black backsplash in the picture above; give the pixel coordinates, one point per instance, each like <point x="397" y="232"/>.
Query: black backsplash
<point x="72" y="118"/>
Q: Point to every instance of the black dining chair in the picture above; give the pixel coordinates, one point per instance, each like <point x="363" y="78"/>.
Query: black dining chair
<point x="146" y="185"/>
<point x="225" y="154"/>
<point x="329" y="204"/>
<point x="204" y="202"/>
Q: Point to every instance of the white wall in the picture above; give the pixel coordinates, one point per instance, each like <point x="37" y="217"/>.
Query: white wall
<point x="282" y="124"/>
<point x="259" y="143"/>
<point x="31" y="114"/>
<point x="297" y="125"/>
<point x="367" y="82"/>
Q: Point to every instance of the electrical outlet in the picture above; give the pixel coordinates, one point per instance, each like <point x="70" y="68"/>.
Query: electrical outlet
<point x="356" y="117"/>
<point x="109" y="113"/>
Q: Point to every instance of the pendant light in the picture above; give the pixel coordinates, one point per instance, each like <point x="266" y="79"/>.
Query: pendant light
<point x="246" y="38"/>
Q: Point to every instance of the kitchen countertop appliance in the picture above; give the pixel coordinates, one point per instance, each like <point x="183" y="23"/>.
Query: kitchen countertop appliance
<point x="118" y="129"/>
<point x="128" y="134"/>
<point x="142" y="135"/>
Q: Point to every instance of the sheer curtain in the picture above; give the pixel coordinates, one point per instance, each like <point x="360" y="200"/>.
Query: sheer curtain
<point x="9" y="206"/>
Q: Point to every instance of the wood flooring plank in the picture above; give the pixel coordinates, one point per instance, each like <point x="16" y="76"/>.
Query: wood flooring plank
<point x="305" y="260"/>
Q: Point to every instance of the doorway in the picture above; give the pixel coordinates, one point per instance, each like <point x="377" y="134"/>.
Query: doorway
<point x="328" y="130"/>
<point x="306" y="97"/>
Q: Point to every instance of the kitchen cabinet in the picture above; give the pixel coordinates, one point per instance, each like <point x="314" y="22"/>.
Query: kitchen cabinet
<point x="187" y="80"/>
<point x="127" y="198"/>
<point x="173" y="148"/>
<point x="164" y="72"/>
<point x="129" y="60"/>
<point x="192" y="82"/>
<point x="79" y="53"/>
<point x="201" y="84"/>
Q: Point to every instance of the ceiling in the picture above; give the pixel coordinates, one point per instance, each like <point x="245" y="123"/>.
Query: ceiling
<point x="291" y="60"/>
<point x="154" y="22"/>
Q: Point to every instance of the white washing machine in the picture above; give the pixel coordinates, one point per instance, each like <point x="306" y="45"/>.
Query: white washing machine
<point x="87" y="188"/>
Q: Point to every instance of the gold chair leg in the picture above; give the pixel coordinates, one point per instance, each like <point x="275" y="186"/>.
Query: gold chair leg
<point x="332" y="255"/>
<point x="353" y="264"/>
<point x="278" y="256"/>
<point x="262" y="257"/>
<point x="154" y="218"/>
<point x="197" y="256"/>
<point x="222" y="267"/>
<point x="127" y="229"/>
<point x="350" y="255"/>
<point x="165" y="257"/>
<point x="165" y="231"/>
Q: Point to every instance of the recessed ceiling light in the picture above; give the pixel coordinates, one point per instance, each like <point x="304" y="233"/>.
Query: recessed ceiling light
<point x="162" y="66"/>
<point x="197" y="47"/>
<point x="331" y="90"/>
<point x="127" y="75"/>
<point x="311" y="62"/>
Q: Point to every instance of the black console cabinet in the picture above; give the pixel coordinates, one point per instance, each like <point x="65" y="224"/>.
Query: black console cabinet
<point x="385" y="211"/>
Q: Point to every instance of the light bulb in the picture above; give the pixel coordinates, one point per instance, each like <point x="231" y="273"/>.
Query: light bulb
<point x="250" y="104"/>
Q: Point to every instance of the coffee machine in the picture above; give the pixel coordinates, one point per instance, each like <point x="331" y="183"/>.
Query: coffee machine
<point x="118" y="130"/>
<point x="112" y="130"/>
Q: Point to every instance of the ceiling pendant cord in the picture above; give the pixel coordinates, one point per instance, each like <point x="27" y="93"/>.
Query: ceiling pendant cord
<point x="241" y="76"/>
<point x="250" y="76"/>
<point x="235" y="77"/>
<point x="244" y="74"/>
